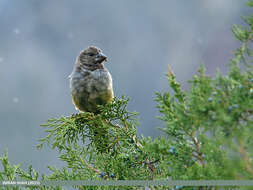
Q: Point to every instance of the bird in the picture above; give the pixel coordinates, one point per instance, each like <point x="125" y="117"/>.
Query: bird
<point x="90" y="81"/>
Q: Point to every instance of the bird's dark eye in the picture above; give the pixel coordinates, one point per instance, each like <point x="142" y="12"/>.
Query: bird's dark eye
<point x="91" y="54"/>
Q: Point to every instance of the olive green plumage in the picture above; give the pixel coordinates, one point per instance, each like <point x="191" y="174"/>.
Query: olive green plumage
<point x="90" y="81"/>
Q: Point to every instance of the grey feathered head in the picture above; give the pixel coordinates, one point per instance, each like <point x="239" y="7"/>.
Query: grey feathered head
<point x="91" y="58"/>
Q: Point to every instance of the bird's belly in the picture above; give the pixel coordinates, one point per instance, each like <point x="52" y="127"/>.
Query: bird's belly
<point x="92" y="90"/>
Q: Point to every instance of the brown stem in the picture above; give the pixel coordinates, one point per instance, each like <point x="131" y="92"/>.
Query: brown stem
<point x="199" y="154"/>
<point x="245" y="158"/>
<point x="111" y="124"/>
<point x="125" y="125"/>
<point x="89" y="166"/>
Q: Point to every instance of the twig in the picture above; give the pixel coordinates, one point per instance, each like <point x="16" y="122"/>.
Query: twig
<point x="245" y="158"/>
<point x="89" y="166"/>
<point x="125" y="125"/>
<point x="199" y="154"/>
<point x="111" y="124"/>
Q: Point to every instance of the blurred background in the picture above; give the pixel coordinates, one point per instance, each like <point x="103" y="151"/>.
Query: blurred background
<point x="40" y="40"/>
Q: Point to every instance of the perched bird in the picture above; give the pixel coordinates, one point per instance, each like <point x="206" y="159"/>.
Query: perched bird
<point x="90" y="81"/>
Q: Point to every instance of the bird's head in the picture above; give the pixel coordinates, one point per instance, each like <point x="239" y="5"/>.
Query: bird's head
<point x="92" y="58"/>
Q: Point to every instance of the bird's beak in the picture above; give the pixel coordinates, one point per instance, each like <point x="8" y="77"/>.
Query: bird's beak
<point x="101" y="57"/>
